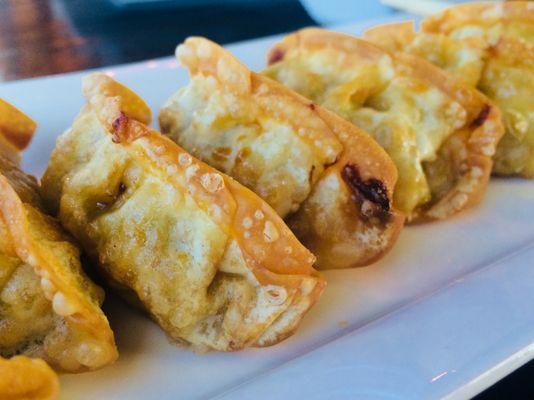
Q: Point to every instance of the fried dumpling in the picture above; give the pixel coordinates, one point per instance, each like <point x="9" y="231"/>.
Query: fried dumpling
<point x="489" y="46"/>
<point x="208" y="259"/>
<point x="16" y="131"/>
<point x="463" y="58"/>
<point x="48" y="307"/>
<point x="440" y="134"/>
<point x="331" y="181"/>
<point x="23" y="378"/>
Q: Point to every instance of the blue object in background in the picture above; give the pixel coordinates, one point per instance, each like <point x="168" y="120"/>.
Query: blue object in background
<point x="322" y="11"/>
<point x="339" y="11"/>
<point x="147" y="4"/>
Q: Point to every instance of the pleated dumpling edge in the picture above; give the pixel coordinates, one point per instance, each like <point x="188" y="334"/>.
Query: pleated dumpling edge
<point x="50" y="307"/>
<point x="329" y="180"/>
<point x="207" y="258"/>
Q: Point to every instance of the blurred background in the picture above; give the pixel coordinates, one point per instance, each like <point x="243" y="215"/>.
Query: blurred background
<point x="43" y="37"/>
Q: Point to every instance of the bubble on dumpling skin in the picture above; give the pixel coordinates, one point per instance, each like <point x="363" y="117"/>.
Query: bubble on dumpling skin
<point x="331" y="153"/>
<point x="62" y="306"/>
<point x="48" y="288"/>
<point x="258" y="215"/>
<point x="211" y="81"/>
<point x="367" y="208"/>
<point x="191" y="171"/>
<point x="185" y="54"/>
<point x="476" y="172"/>
<point x="488" y="150"/>
<point x="263" y="89"/>
<point x="288" y="250"/>
<point x="212" y="182"/>
<point x="204" y="50"/>
<point x="158" y="150"/>
<point x="506" y="90"/>
<point x="275" y="295"/>
<point x="31" y="259"/>
<point x="459" y="200"/>
<point x="521" y="126"/>
<point x="226" y="72"/>
<point x="185" y="159"/>
<point x="171" y="169"/>
<point x="89" y="354"/>
<point x="247" y="223"/>
<point x="215" y="211"/>
<point x="456" y="114"/>
<point x="307" y="286"/>
<point x="270" y="233"/>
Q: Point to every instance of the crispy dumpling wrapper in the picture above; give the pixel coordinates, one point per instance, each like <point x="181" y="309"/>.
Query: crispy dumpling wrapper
<point x="16" y="131"/>
<point x="24" y="378"/>
<point x="208" y="259"/>
<point x="331" y="181"/>
<point x="48" y="307"/>
<point x="440" y="133"/>
<point x="489" y="46"/>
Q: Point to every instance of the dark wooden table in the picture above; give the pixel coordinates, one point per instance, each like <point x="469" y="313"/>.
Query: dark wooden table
<point x="43" y="37"/>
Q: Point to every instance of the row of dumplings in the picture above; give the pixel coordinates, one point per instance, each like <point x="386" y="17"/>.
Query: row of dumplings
<point x="215" y="225"/>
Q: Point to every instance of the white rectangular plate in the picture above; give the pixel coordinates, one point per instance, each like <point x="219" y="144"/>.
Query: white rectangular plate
<point x="445" y="314"/>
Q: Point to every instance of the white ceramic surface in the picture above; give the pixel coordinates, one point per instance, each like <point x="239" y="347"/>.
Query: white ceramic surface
<point x="445" y="314"/>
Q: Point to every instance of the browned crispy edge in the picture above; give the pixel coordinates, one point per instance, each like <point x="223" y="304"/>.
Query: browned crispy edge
<point x="484" y="132"/>
<point x="44" y="262"/>
<point x="359" y="148"/>
<point x="15" y="126"/>
<point x="462" y="14"/>
<point x="22" y="377"/>
<point x="234" y="201"/>
<point x="394" y="36"/>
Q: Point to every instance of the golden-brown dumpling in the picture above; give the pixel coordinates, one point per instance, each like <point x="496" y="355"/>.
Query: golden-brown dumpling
<point x="489" y="46"/>
<point x="16" y="131"/>
<point x="208" y="259"/>
<point x="440" y="134"/>
<point x="331" y="181"/>
<point x="48" y="307"/>
<point x="23" y="378"/>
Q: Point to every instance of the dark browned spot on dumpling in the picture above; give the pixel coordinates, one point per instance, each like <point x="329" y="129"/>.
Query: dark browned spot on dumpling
<point x="329" y="164"/>
<point x="108" y="199"/>
<point x="312" y="106"/>
<point x="482" y="116"/>
<point x="221" y="153"/>
<point x="371" y="194"/>
<point x="119" y="126"/>
<point x="243" y="154"/>
<point x="275" y="56"/>
<point x="310" y="175"/>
